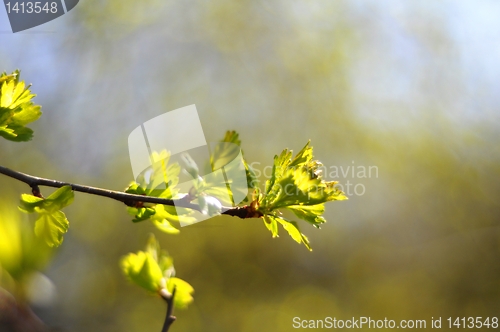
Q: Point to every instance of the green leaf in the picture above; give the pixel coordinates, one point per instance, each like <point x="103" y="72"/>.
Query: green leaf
<point x="226" y="150"/>
<point x="293" y="230"/>
<point x="224" y="153"/>
<point x="51" y="227"/>
<point x="62" y="197"/>
<point x="163" y="217"/>
<point x="135" y="188"/>
<point x="232" y="136"/>
<point x="252" y="180"/>
<point x="154" y="271"/>
<point x="183" y="292"/>
<point x="166" y="264"/>
<point x="303" y="157"/>
<point x="297" y="181"/>
<point x="296" y="184"/>
<point x="153" y="247"/>
<point x="141" y="214"/>
<point x="17" y="133"/>
<point x="16" y="108"/>
<point x="51" y="224"/>
<point x="29" y="202"/>
<point x="309" y="213"/>
<point x="143" y="270"/>
<point x="159" y="181"/>
<point x="271" y="225"/>
<point x="4" y="77"/>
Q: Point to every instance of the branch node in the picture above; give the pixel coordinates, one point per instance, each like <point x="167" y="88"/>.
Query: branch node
<point x="35" y="190"/>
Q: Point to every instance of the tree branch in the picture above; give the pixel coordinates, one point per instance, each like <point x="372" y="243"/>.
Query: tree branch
<point x="129" y="199"/>
<point x="169" y="318"/>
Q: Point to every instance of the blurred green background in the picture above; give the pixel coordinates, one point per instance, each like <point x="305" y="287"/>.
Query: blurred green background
<point x="409" y="87"/>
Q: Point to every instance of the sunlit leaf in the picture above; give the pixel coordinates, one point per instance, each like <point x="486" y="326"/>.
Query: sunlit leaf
<point x="226" y="150"/>
<point x="224" y="153"/>
<point x="16" y="108"/>
<point x="141" y="214"/>
<point x="154" y="271"/>
<point x="296" y="184"/>
<point x="309" y="213"/>
<point x="162" y="218"/>
<point x="143" y="270"/>
<point x="303" y="156"/>
<point x="29" y="202"/>
<point x="51" y="224"/>
<point x="159" y="181"/>
<point x="271" y="225"/>
<point x="293" y="230"/>
<point x="62" y="197"/>
<point x="183" y="292"/>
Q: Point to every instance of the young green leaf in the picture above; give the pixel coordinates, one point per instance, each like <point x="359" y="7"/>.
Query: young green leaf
<point x="143" y="270"/>
<point x="159" y="181"/>
<point x="297" y="181"/>
<point x="271" y="224"/>
<point x="291" y="227"/>
<point x="154" y="271"/>
<point x="310" y="213"/>
<point x="225" y="152"/>
<point x="51" y="223"/>
<point x="293" y="230"/>
<point x="51" y="226"/>
<point x="183" y="292"/>
<point x="16" y="108"/>
<point x="28" y="203"/>
<point x="296" y="185"/>
<point x="163" y="217"/>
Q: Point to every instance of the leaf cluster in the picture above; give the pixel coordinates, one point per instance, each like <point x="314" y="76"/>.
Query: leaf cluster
<point x="296" y="185"/>
<point x="159" y="181"/>
<point x="209" y="192"/>
<point x="16" y="108"/>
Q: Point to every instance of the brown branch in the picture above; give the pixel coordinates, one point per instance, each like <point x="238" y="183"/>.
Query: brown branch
<point x="129" y="199"/>
<point x="169" y="318"/>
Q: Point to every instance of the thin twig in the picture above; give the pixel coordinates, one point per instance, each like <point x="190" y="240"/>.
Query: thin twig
<point x="129" y="199"/>
<point x="169" y="318"/>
